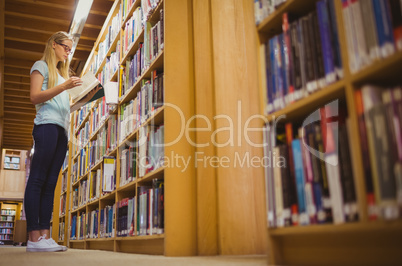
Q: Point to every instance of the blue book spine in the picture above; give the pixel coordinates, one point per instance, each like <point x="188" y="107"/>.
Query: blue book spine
<point x="273" y="69"/>
<point x="73" y="227"/>
<point x="110" y="223"/>
<point x="277" y="73"/>
<point x="378" y="21"/>
<point x="325" y="31"/>
<point x="334" y="38"/>
<point x="299" y="175"/>
<point x="384" y="28"/>
<point x="284" y="67"/>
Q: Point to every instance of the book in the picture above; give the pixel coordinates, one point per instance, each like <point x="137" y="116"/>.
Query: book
<point x="111" y="92"/>
<point x="89" y="82"/>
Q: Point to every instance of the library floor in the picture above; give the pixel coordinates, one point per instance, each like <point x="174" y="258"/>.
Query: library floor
<point x="11" y="256"/>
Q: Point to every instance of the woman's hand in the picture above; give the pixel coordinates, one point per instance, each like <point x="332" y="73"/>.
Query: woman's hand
<point x="90" y="94"/>
<point x="84" y="100"/>
<point x="72" y="82"/>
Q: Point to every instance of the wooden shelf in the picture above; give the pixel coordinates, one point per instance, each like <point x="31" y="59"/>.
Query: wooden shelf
<point x="108" y="196"/>
<point x="129" y="138"/>
<point x="147" y="237"/>
<point x="64" y="170"/>
<point x="347" y="228"/>
<point x="97" y="165"/>
<point x="100" y="239"/>
<point x="93" y="203"/>
<point x="77" y="241"/>
<point x="385" y="70"/>
<point x="158" y="173"/>
<point x="157" y="117"/>
<point x="128" y="187"/>
<point x="115" y="75"/>
<point x="303" y="107"/>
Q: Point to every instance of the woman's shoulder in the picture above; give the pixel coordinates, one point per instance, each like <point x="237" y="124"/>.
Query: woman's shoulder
<point x="41" y="66"/>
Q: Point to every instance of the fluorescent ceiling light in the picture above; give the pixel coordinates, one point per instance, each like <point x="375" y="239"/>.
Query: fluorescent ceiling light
<point x="77" y="25"/>
<point x="82" y="10"/>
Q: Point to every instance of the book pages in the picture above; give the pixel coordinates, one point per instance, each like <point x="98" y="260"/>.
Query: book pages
<point x="89" y="82"/>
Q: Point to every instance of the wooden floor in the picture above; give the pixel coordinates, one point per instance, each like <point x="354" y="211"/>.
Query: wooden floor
<point x="11" y="256"/>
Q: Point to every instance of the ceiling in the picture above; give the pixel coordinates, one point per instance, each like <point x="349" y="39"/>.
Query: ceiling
<point x="25" y="26"/>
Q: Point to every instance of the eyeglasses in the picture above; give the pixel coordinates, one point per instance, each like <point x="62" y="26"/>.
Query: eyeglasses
<point x="66" y="48"/>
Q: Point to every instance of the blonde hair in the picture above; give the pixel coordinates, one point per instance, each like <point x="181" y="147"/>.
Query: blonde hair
<point x="49" y="56"/>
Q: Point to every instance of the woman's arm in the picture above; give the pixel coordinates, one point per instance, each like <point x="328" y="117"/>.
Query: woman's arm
<point x="38" y="96"/>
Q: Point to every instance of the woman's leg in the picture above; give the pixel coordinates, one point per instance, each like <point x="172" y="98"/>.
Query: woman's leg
<point x="45" y="137"/>
<point x="47" y="196"/>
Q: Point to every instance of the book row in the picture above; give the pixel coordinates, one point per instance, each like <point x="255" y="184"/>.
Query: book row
<point x="136" y="112"/>
<point x="92" y="153"/>
<point x="79" y="116"/>
<point x="113" y="32"/>
<point x="96" y="122"/>
<point x="8" y="212"/>
<point x="111" y="66"/>
<point x="147" y="51"/>
<point x="61" y="230"/>
<point x="131" y="30"/>
<point x="139" y="215"/>
<point x="6" y="218"/>
<point x="6" y="224"/>
<point x="65" y="163"/>
<point x="6" y="231"/>
<point x="373" y="30"/>
<point x="6" y="237"/>
<point x="304" y="58"/>
<point x="264" y="8"/>
<point x="63" y="204"/>
<point x="379" y="113"/>
<point x="64" y="179"/>
<point x="110" y="127"/>
<point x="96" y="184"/>
<point x="151" y="149"/>
<point x="309" y="175"/>
<point x="83" y="224"/>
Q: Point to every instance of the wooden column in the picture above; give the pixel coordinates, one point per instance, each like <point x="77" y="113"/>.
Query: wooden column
<point x="240" y="187"/>
<point x="180" y="181"/>
<point x="207" y="226"/>
<point x="2" y="10"/>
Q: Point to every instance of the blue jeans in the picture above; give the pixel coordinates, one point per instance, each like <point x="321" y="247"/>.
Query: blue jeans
<point x="50" y="151"/>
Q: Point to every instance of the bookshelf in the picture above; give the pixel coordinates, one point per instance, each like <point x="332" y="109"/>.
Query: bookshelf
<point x="9" y="214"/>
<point x="363" y="242"/>
<point x="178" y="236"/>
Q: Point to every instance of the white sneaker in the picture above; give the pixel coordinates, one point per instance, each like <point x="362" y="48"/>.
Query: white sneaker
<point x="53" y="243"/>
<point x="42" y="245"/>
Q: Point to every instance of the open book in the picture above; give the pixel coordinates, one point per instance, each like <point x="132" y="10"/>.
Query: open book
<point x="89" y="82"/>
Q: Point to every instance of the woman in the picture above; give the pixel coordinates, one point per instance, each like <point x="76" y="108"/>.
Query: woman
<point x="49" y="82"/>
